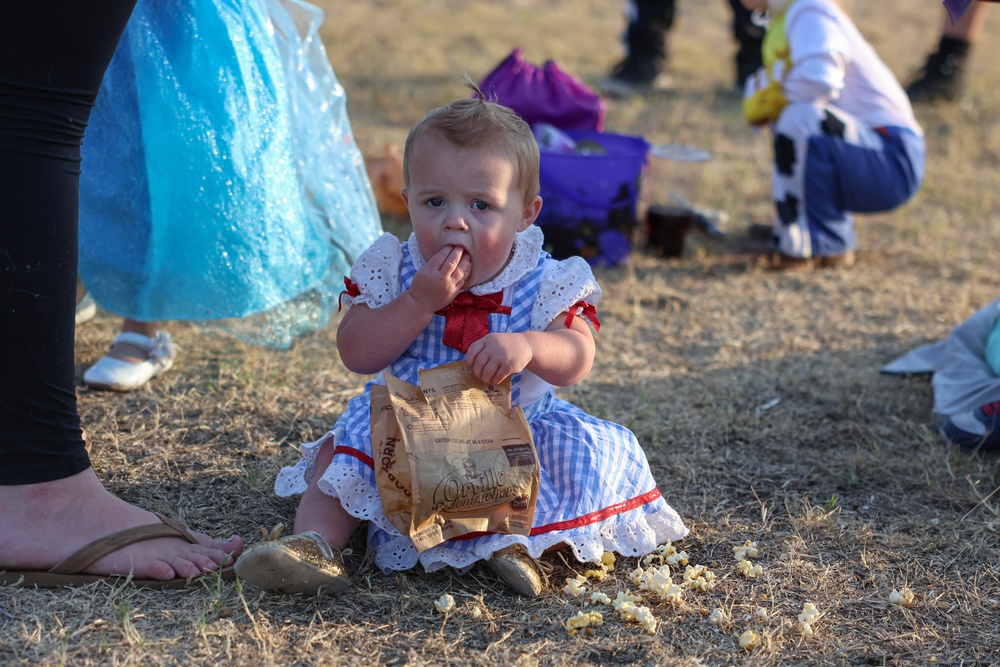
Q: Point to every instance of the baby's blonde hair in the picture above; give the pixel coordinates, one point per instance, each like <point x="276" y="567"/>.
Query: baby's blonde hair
<point x="475" y="122"/>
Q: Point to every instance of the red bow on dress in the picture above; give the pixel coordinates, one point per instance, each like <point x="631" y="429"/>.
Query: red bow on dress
<point x="352" y="290"/>
<point x="467" y="318"/>
<point x="587" y="311"/>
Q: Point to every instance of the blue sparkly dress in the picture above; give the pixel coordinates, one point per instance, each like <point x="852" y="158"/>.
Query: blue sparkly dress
<point x="221" y="182"/>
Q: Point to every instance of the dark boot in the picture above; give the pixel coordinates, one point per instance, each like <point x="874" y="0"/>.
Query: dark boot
<point x="942" y="78"/>
<point x="750" y="37"/>
<point x="646" y="40"/>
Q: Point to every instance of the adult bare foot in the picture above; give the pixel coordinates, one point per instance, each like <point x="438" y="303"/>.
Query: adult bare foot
<point x="45" y="523"/>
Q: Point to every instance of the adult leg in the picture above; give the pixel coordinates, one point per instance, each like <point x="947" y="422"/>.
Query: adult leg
<point x="52" y="59"/>
<point x="645" y="39"/>
<point x="942" y="78"/>
<point x="749" y="37"/>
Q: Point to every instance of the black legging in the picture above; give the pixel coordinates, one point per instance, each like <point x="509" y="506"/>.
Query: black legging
<point x="53" y="54"/>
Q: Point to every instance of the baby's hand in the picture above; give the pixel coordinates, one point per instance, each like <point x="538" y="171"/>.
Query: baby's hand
<point x="496" y="356"/>
<point x="439" y="281"/>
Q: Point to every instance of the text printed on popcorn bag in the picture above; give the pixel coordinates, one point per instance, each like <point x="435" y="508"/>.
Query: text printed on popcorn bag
<point x="473" y="465"/>
<point x="392" y="469"/>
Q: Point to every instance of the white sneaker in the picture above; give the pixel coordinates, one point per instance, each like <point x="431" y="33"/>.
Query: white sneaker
<point x="120" y="375"/>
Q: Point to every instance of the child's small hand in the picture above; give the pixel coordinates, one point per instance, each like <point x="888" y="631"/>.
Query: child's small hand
<point x="498" y="355"/>
<point x="439" y="281"/>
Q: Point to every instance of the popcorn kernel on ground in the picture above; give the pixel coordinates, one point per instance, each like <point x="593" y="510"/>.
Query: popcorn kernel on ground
<point x="583" y="619"/>
<point x="699" y="578"/>
<point x="749" y="639"/>
<point x="575" y="586"/>
<point x="807" y="618"/>
<point x="600" y="598"/>
<point x="748" y="569"/>
<point x="903" y="598"/>
<point x="744" y="551"/>
<point x="445" y="603"/>
<point x="642" y="615"/>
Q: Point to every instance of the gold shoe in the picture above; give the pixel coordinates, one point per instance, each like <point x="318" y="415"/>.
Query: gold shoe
<point x="303" y="563"/>
<point x="518" y="570"/>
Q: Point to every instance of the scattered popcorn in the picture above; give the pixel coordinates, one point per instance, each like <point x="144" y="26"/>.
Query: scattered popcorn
<point x="748" y="569"/>
<point x="600" y="598"/>
<point x="605" y="568"/>
<point x="761" y="612"/>
<point x="475" y="611"/>
<point x="699" y="578"/>
<point x="749" y="640"/>
<point x="575" y="586"/>
<point x="629" y="611"/>
<point x="672" y="594"/>
<point x="807" y="617"/>
<point x="657" y="580"/>
<point x="717" y="616"/>
<point x="583" y="619"/>
<point x="903" y="598"/>
<point x="746" y="550"/>
<point x="809" y="612"/>
<point x="666" y="553"/>
<point x="624" y="597"/>
<point x="445" y="603"/>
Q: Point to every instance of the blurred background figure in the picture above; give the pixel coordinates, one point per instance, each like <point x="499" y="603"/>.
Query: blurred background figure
<point x="845" y="137"/>
<point x="646" y="50"/>
<point x="221" y="181"/>
<point x="942" y="78"/>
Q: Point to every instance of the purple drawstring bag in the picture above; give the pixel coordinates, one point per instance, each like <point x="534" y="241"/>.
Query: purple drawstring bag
<point x="544" y="94"/>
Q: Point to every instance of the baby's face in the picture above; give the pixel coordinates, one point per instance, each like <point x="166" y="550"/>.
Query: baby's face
<point x="466" y="198"/>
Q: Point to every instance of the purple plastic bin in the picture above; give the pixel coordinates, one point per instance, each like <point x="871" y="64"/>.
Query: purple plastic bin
<point x="589" y="199"/>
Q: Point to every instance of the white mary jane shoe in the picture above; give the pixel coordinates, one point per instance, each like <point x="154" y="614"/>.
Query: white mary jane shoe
<point x="120" y="375"/>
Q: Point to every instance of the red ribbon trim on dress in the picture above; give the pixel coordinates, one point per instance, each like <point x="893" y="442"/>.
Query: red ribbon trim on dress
<point x="586" y="519"/>
<point x="352" y="290"/>
<point x="356" y="453"/>
<point x="578" y="522"/>
<point x="467" y="318"/>
<point x="586" y="311"/>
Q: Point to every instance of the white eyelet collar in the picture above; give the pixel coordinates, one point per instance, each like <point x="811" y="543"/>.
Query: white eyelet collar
<point x="527" y="245"/>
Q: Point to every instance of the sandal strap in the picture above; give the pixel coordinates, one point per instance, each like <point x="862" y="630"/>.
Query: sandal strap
<point x="110" y="543"/>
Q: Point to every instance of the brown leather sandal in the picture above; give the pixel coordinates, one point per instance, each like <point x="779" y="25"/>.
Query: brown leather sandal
<point x="68" y="572"/>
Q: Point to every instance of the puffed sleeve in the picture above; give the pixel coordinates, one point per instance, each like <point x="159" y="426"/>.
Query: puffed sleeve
<point x="567" y="286"/>
<point x="375" y="277"/>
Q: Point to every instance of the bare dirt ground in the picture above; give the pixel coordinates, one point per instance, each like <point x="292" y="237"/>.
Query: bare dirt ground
<point x="757" y="397"/>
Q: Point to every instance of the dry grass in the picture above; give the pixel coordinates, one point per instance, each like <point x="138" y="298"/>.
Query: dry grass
<point x="847" y="491"/>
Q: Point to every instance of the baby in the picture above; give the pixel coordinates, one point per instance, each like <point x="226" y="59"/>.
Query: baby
<point x="472" y="283"/>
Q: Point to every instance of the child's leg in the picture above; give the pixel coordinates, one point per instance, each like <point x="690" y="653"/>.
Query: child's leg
<point x="311" y="560"/>
<point x="826" y="165"/>
<point x="322" y="513"/>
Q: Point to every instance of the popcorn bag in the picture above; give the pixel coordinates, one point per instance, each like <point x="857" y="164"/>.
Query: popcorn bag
<point x="392" y="472"/>
<point x="472" y="460"/>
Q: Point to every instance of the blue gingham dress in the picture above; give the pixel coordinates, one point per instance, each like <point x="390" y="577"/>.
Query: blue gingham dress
<point x="596" y="491"/>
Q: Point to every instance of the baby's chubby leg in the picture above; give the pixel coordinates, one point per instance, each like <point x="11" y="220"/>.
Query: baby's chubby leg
<point x="322" y="513"/>
<point x="310" y="561"/>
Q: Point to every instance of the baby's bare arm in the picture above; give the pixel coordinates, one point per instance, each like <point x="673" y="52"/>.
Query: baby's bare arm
<point x="369" y="339"/>
<point x="560" y="355"/>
